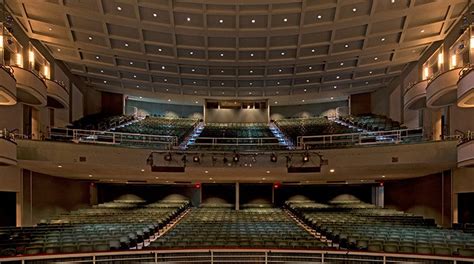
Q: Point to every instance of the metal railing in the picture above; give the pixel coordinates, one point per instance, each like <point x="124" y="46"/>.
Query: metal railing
<point x="363" y="138"/>
<point x="237" y="256"/>
<point x="227" y="141"/>
<point x="5" y="134"/>
<point x="465" y="71"/>
<point x="112" y="138"/>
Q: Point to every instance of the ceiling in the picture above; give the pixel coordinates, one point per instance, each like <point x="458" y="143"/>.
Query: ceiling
<point x="272" y="49"/>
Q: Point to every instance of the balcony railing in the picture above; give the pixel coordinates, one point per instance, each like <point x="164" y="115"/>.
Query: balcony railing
<point x="111" y="138"/>
<point x="363" y="138"/>
<point x="237" y="256"/>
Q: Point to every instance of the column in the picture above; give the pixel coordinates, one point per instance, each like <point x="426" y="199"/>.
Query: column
<point x="237" y="196"/>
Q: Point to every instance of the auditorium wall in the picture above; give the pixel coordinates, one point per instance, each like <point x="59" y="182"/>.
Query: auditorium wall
<point x="255" y="194"/>
<point x="306" y="110"/>
<point x="463" y="182"/>
<point x="142" y="108"/>
<point x="236" y="115"/>
<point x="428" y="196"/>
<point x="45" y="196"/>
<point x="218" y="193"/>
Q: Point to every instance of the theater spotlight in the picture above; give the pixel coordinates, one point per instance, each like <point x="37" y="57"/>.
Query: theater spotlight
<point x="168" y="157"/>
<point x="273" y="158"/>
<point x="196" y="159"/>
<point x="305" y="157"/>
<point x="236" y="158"/>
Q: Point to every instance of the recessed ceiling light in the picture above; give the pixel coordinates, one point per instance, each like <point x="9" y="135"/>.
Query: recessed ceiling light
<point x="251" y="71"/>
<point x="90" y="38"/>
<point x="222" y="71"/>
<point x="90" y="175"/>
<point x="222" y="83"/>
<point x="134" y="76"/>
<point x="50" y="29"/>
<point x="188" y="19"/>
<point x="370" y="72"/>
<point x="223" y="92"/>
<point x="310" y="67"/>
<point x="126" y="44"/>
<point x="278" y="83"/>
<point x="342" y="64"/>
<point x="156" y="178"/>
<point x="160" y="50"/>
<point x="191" y="52"/>
<point x="169" y="100"/>
<point x="276" y="102"/>
<point x="221" y="21"/>
<point x="59" y="49"/>
<point x="354" y="9"/>
<point x="280" y="70"/>
<point x="422" y="31"/>
<point x="163" y="67"/>
<point x="346" y="46"/>
<point x="194" y="82"/>
<point x="119" y="8"/>
<point x="307" y="80"/>
<point x="376" y="58"/>
<point x="251" y="84"/>
<point x="250" y="93"/>
<point x="304" y="90"/>
<point x="313" y="50"/>
<point x="277" y="92"/>
<point x="335" y="86"/>
<point x="338" y="77"/>
<point x="302" y="100"/>
<point x="60" y="166"/>
<point x="195" y="92"/>
<point x="222" y="54"/>
<point x="105" y="81"/>
<point x="319" y="17"/>
<point x="101" y="71"/>
<point x="142" y="170"/>
<point x="97" y="57"/>
<point x="332" y="98"/>
<point x="155" y="14"/>
<point x="263" y="179"/>
<point x="167" y="89"/>
<point x="196" y="102"/>
<point x="285" y="19"/>
<point x="165" y="80"/>
<point x="141" y="97"/>
<point x="282" y="54"/>
<point x="131" y="63"/>
<point x="253" y="21"/>
<point x="382" y="39"/>
<point x="366" y="82"/>
<point x="383" y="176"/>
<point x="331" y="170"/>
<point x="193" y="70"/>
<point x="393" y="1"/>
<point x="251" y="54"/>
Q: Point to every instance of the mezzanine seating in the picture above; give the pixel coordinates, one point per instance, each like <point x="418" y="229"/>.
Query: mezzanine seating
<point x="179" y="127"/>
<point x="362" y="226"/>
<point x="314" y="126"/>
<point x="247" y="228"/>
<point x="372" y="122"/>
<point x="101" y="122"/>
<point x="109" y="226"/>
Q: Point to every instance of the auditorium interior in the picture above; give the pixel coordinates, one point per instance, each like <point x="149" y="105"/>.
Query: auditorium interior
<point x="251" y="131"/>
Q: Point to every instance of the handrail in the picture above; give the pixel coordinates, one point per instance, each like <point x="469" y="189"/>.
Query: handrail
<point x="438" y="74"/>
<point x="229" y="141"/>
<point x="394" y="136"/>
<point x="411" y="85"/>
<point x="33" y="72"/>
<point x="108" y="137"/>
<point x="60" y="83"/>
<point x="466" y="137"/>
<point x="465" y="70"/>
<point x="8" y="69"/>
<point x="5" y="134"/>
<point x="210" y="255"/>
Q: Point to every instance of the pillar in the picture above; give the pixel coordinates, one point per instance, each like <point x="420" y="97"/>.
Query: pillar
<point x="237" y="196"/>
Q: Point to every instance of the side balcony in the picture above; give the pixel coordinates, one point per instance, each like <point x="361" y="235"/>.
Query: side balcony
<point x="7" y="86"/>
<point x="415" y="96"/>
<point x="465" y="91"/>
<point x="58" y="95"/>
<point x="441" y="90"/>
<point x="31" y="88"/>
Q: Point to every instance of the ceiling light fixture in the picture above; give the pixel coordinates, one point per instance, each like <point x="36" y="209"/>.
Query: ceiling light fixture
<point x="160" y="50"/>
<point x="155" y="14"/>
<point x="251" y="54"/>
<point x="90" y="38"/>
<point x="119" y="8"/>
<point x="354" y="9"/>
<point x="59" y="49"/>
<point x="253" y="21"/>
<point x="282" y="54"/>
<point x="332" y="98"/>
<point x="331" y="170"/>
<point x="188" y="19"/>
<point x="221" y="21"/>
<point x="319" y="17"/>
<point x="97" y="57"/>
<point x="382" y="39"/>
<point x="285" y="19"/>
<point x="346" y="46"/>
<point x="126" y="44"/>
<point x="313" y="50"/>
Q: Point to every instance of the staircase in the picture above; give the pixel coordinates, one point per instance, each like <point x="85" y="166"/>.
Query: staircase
<point x="189" y="140"/>
<point x="340" y="122"/>
<point x="282" y="139"/>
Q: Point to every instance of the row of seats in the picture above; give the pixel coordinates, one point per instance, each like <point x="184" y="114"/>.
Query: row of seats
<point x="179" y="127"/>
<point x="228" y="228"/>
<point x="372" y="122"/>
<point x="109" y="226"/>
<point x="296" y="127"/>
<point x="360" y="226"/>
<point x="101" y="121"/>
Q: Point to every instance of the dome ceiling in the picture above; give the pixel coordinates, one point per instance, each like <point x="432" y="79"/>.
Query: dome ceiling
<point x="226" y="49"/>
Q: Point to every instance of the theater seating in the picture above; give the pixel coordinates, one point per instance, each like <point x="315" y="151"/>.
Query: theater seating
<point x="179" y="127"/>
<point x="228" y="228"/>
<point x="314" y="126"/>
<point x="109" y="226"/>
<point x="372" y="122"/>
<point x="250" y="136"/>
<point x="361" y="226"/>
<point x="101" y="121"/>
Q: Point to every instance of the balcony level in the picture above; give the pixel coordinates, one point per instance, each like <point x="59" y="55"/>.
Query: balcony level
<point x="31" y="88"/>
<point x="8" y="154"/>
<point x="466" y="153"/>
<point x="58" y="95"/>
<point x="7" y="86"/>
<point x="415" y="96"/>
<point x="465" y="90"/>
<point x="441" y="90"/>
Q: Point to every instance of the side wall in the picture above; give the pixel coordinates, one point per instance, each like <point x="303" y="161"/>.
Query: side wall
<point x="45" y="196"/>
<point x="428" y="196"/>
<point x="140" y="108"/>
<point x="306" y="110"/>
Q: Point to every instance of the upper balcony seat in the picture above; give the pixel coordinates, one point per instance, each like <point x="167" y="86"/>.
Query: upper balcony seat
<point x="7" y="86"/>
<point x="415" y="96"/>
<point x="441" y="89"/>
<point x="31" y="89"/>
